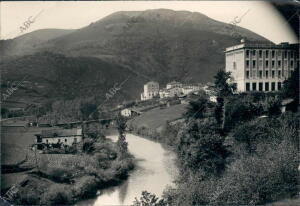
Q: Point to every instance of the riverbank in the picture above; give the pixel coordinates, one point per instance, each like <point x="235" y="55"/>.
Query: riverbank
<point x="75" y="177"/>
<point x="155" y="169"/>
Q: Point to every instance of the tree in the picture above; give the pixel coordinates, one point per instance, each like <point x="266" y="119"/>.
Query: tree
<point x="4" y="112"/>
<point x="223" y="89"/>
<point x="201" y="147"/>
<point x="291" y="86"/>
<point x="88" y="109"/>
<point x="291" y="89"/>
<point x="272" y="105"/>
<point x="93" y="130"/>
<point x="196" y="109"/>
<point x="122" y="144"/>
<point x="148" y="199"/>
<point x="88" y="145"/>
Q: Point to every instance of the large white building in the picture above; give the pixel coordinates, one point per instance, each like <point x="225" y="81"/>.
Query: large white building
<point x="151" y="89"/>
<point x="261" y="67"/>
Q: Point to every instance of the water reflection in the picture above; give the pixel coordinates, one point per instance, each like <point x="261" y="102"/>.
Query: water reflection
<point x="154" y="171"/>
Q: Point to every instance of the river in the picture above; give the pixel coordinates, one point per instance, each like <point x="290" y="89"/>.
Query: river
<point x="155" y="169"/>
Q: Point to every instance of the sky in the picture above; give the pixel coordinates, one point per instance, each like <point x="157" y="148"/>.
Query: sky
<point x="257" y="16"/>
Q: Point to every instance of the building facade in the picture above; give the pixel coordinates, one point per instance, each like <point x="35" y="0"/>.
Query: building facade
<point x="151" y="89"/>
<point x="126" y="112"/>
<point x="261" y="67"/>
<point x="63" y="136"/>
<point x="173" y="84"/>
<point x="164" y="93"/>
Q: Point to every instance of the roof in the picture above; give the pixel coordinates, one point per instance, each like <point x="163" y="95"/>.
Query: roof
<point x="61" y="133"/>
<point x="151" y="82"/>
<point x="283" y="45"/>
<point x="173" y="82"/>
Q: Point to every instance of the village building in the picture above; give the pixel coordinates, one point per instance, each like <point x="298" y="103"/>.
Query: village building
<point x="175" y="91"/>
<point x="173" y="84"/>
<point x="261" y="67"/>
<point x="130" y="112"/>
<point x="189" y="88"/>
<point x="63" y="136"/>
<point x="164" y="93"/>
<point x="151" y="90"/>
<point x="126" y="112"/>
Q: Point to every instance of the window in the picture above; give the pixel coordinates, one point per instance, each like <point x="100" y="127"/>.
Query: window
<point x="247" y="74"/>
<point x="267" y="54"/>
<point x="285" y="63"/>
<point x="273" y="64"/>
<point x="254" y="64"/>
<point x="66" y="140"/>
<point x="273" y="74"/>
<point x="292" y="54"/>
<point x="234" y="65"/>
<point x="260" y="53"/>
<point x="279" y="85"/>
<point x="254" y="86"/>
<point x="279" y="74"/>
<point x="47" y="141"/>
<point x="260" y="86"/>
<point x="58" y="141"/>
<point x="267" y="86"/>
<point x="247" y="86"/>
<point x="247" y="64"/>
<point x="279" y="63"/>
<point x="273" y="86"/>
<point x="285" y="54"/>
<point x="260" y="63"/>
<point x="267" y="64"/>
<point x="253" y="52"/>
<point x="260" y="74"/>
<point x="75" y="140"/>
<point x="279" y="53"/>
<point x="267" y="74"/>
<point x="292" y="64"/>
<point x="273" y="54"/>
<point x="247" y="53"/>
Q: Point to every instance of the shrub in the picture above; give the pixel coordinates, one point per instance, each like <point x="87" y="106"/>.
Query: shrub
<point x="88" y="145"/>
<point x="57" y="195"/>
<point x="28" y="196"/>
<point x="59" y="174"/>
<point x="201" y="147"/>
<point x="272" y="105"/>
<point x="239" y="109"/>
<point x="85" y="187"/>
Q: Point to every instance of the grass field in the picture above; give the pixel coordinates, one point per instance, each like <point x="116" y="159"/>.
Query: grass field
<point x="16" y="142"/>
<point x="155" y="118"/>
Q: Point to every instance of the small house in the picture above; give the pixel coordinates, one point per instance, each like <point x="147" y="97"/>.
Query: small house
<point x="63" y="136"/>
<point x="126" y="112"/>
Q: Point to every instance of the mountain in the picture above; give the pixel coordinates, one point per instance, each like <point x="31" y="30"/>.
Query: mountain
<point x="162" y="44"/>
<point x="27" y="43"/>
<point x="47" y="76"/>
